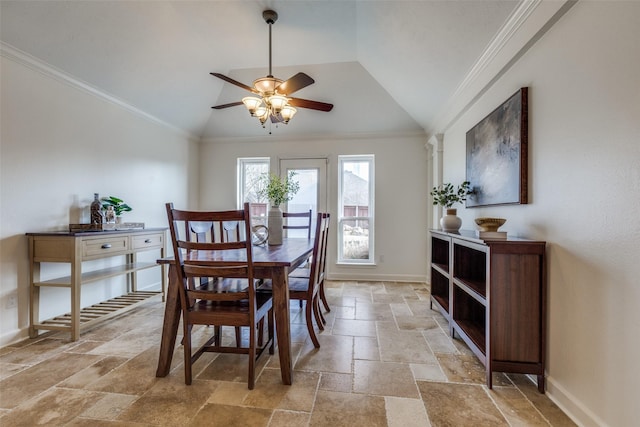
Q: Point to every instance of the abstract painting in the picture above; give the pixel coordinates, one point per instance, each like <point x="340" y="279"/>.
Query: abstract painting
<point x="497" y="155"/>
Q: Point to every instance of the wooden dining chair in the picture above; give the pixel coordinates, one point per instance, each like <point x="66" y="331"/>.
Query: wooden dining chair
<point x="299" y="225"/>
<point x="228" y="296"/>
<point x="307" y="288"/>
<point x="304" y="271"/>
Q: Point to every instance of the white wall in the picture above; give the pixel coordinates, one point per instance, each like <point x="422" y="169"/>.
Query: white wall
<point x="61" y="144"/>
<point x="584" y="200"/>
<point x="401" y="197"/>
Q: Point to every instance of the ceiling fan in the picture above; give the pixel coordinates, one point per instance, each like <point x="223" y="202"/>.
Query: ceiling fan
<point x="273" y="95"/>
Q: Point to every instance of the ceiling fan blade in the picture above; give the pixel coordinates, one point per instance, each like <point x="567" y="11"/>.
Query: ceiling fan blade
<point x="313" y="105"/>
<point x="234" y="82"/>
<point x="232" y="104"/>
<point x="295" y="83"/>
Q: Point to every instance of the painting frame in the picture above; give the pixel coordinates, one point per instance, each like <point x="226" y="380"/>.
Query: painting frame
<point x="497" y="154"/>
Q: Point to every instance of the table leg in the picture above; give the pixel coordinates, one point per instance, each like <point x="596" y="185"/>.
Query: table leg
<point x="280" y="288"/>
<point x="170" y="325"/>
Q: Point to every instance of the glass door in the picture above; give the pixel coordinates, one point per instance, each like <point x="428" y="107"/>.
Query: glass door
<point x="311" y="174"/>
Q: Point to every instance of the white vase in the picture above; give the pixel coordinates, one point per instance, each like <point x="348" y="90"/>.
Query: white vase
<point x="450" y="222"/>
<point x="274" y="224"/>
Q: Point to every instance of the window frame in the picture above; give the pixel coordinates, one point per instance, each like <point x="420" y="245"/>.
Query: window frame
<point x="241" y="178"/>
<point x="342" y="159"/>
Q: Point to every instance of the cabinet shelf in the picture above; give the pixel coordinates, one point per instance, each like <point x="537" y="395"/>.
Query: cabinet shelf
<point x="475" y="333"/>
<point x="98" y="312"/>
<point x="506" y="330"/>
<point x="93" y="276"/>
<point x="476" y="289"/>
<point x="442" y="268"/>
<point x="440" y="290"/>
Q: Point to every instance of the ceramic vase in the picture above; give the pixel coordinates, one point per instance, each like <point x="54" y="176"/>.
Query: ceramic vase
<point x="274" y="224"/>
<point x="450" y="222"/>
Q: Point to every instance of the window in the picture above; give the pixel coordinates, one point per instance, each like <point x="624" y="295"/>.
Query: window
<point x="355" y="209"/>
<point x="250" y="171"/>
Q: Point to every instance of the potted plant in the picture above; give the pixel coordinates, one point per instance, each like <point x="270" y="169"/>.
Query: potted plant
<point x="277" y="191"/>
<point x="446" y="195"/>
<point x="118" y="206"/>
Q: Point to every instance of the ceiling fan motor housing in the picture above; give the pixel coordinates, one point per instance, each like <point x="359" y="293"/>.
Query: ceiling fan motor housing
<point x="270" y="16"/>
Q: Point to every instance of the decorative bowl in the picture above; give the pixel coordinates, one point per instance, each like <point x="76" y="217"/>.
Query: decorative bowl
<point x="490" y="224"/>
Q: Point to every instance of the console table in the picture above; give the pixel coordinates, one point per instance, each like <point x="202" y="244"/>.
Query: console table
<point x="493" y="294"/>
<point x="76" y="247"/>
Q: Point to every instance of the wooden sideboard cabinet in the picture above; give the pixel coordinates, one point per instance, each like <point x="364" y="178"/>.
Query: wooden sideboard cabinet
<point x="76" y="247"/>
<point x="493" y="294"/>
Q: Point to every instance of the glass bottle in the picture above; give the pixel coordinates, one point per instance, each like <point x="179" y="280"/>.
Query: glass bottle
<point x="96" y="210"/>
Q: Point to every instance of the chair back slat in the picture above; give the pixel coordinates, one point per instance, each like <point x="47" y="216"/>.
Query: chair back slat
<point x="290" y="226"/>
<point x="230" y="231"/>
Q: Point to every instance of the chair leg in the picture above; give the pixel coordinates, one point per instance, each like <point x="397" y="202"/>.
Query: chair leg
<point x="323" y="297"/>
<point x="324" y="321"/>
<point x="316" y="312"/>
<point x="270" y="326"/>
<point x="217" y="330"/>
<point x="186" y="340"/>
<point x="238" y="337"/>
<point x="309" y="318"/>
<point x="261" y="332"/>
<point x="251" y="376"/>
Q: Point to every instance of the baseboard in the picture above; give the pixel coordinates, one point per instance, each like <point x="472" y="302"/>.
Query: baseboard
<point x="153" y="287"/>
<point x="362" y="276"/>
<point x="570" y="405"/>
<point x="14" y="336"/>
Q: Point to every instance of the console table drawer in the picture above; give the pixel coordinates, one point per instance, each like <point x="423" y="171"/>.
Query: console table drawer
<point x="149" y="241"/>
<point x="105" y="246"/>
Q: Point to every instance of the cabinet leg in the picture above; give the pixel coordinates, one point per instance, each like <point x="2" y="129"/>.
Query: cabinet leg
<point x="34" y="314"/>
<point x="76" y="279"/>
<point x="34" y="297"/>
<point x="541" y="385"/>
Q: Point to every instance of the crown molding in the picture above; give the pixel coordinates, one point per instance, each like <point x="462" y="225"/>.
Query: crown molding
<point x="527" y="24"/>
<point x="29" y="61"/>
<point x="317" y="137"/>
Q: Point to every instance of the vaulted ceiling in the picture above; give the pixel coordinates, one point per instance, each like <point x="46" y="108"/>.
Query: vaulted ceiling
<point x="387" y="66"/>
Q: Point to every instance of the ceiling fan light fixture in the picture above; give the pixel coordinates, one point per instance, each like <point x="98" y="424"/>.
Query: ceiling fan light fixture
<point x="252" y="103"/>
<point x="262" y="113"/>
<point x="287" y="113"/>
<point x="277" y="103"/>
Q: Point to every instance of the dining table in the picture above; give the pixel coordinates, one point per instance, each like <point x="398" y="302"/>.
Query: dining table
<point x="272" y="262"/>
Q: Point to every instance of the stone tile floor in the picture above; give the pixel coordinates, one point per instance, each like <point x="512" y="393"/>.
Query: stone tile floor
<point x="386" y="359"/>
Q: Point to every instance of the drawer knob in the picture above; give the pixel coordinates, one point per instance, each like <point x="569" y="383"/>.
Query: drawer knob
<point x="148" y="241"/>
<point x="106" y="246"/>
